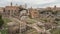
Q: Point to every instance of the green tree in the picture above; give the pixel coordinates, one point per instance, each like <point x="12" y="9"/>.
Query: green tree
<point x="1" y="21"/>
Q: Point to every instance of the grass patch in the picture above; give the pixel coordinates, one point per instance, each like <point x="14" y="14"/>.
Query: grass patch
<point x="55" y="31"/>
<point x="6" y="20"/>
<point x="5" y="31"/>
<point x="31" y="31"/>
<point x="31" y="21"/>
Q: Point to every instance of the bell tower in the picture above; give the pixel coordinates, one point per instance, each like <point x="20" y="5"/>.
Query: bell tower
<point x="16" y="4"/>
<point x="11" y="4"/>
<point x="25" y="5"/>
<point x="55" y="7"/>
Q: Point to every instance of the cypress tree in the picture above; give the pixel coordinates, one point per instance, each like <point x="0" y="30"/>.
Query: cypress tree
<point x="1" y="21"/>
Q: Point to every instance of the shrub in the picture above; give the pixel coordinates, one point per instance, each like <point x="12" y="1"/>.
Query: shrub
<point x="1" y="21"/>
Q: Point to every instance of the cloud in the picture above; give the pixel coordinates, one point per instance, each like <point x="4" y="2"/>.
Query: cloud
<point x="34" y="3"/>
<point x="57" y="3"/>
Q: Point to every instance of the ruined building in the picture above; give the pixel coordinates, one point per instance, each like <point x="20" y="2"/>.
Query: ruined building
<point x="11" y="10"/>
<point x="33" y="13"/>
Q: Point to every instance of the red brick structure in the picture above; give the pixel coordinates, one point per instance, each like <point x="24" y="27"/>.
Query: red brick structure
<point x="1" y="10"/>
<point x="11" y="10"/>
<point x="33" y="13"/>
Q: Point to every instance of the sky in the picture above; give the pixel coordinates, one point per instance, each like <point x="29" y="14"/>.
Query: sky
<point x="31" y="3"/>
